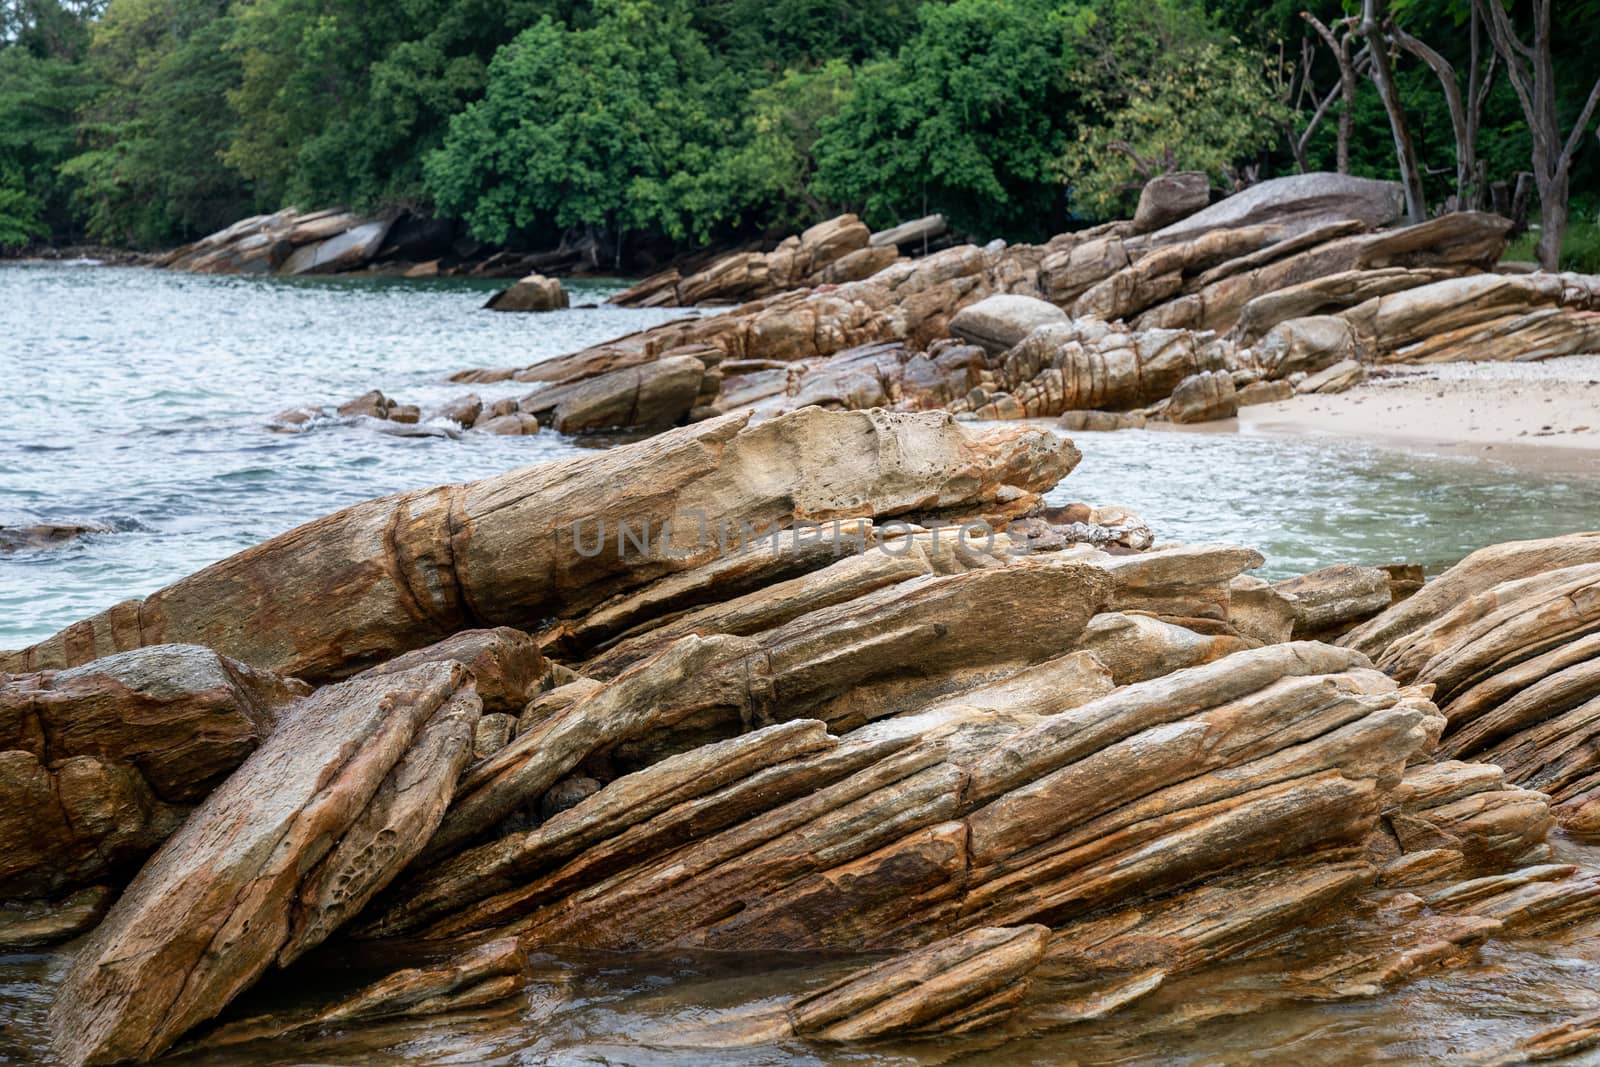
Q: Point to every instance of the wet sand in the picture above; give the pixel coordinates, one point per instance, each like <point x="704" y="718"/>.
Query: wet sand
<point x="1544" y="415"/>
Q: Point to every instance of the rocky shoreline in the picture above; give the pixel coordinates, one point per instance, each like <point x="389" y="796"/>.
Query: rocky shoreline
<point x="832" y="681"/>
<point x="1296" y="287"/>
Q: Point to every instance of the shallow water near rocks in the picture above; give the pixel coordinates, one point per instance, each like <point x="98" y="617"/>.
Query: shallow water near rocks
<point x="138" y="401"/>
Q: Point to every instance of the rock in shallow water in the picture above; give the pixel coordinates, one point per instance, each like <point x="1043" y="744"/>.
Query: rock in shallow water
<point x="321" y="816"/>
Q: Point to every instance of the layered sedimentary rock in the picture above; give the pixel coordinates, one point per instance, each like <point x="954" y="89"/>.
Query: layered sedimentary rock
<point x="98" y="764"/>
<point x="288" y="242"/>
<point x="1041" y="764"/>
<point x="838" y="250"/>
<point x="1508" y="638"/>
<point x="1479" y="317"/>
<point x="476" y="979"/>
<point x="381" y="578"/>
<point x="323" y="814"/>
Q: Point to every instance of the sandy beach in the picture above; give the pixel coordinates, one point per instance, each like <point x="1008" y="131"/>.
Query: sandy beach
<point x="1545" y="414"/>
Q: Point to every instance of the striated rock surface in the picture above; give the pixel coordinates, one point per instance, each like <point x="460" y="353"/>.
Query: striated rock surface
<point x="325" y="812"/>
<point x="838" y="250"/>
<point x="99" y="763"/>
<point x="1507" y="638"/>
<point x="408" y="570"/>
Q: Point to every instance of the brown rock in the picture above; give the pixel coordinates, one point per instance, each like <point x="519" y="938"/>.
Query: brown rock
<point x="506" y="664"/>
<point x="340" y="796"/>
<point x="1167" y="198"/>
<point x="533" y="293"/>
<point x="963" y="982"/>
<point x="99" y="763"/>
<point x="412" y="569"/>
<point x="1204" y="397"/>
<point x="1330" y="601"/>
<point x="474" y="979"/>
<point x="1265" y="393"/>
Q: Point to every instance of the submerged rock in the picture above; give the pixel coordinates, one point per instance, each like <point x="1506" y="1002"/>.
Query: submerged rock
<point x="44" y="534"/>
<point x="532" y="293"/>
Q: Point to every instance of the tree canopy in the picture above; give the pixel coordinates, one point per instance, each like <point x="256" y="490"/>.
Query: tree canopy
<point x="147" y="122"/>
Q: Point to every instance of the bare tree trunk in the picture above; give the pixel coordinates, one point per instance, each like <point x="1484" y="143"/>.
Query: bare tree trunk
<point x="1466" y="149"/>
<point x="1374" y="16"/>
<point x="1532" y="74"/>
<point x="1340" y="47"/>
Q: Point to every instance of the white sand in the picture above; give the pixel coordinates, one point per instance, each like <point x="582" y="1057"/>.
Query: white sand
<point x="1546" y="414"/>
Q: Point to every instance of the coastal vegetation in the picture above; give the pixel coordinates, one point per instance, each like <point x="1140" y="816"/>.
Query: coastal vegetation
<point x="146" y="122"/>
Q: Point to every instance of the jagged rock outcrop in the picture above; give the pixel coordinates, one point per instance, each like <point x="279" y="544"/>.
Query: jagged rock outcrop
<point x="98" y="764"/>
<point x="512" y="549"/>
<point x="1507" y="638"/>
<point x="474" y="980"/>
<point x="322" y="815"/>
<point x="1089" y="364"/>
<point x="288" y="242"/>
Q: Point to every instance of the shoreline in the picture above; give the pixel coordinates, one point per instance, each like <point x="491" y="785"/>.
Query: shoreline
<point x="1542" y="416"/>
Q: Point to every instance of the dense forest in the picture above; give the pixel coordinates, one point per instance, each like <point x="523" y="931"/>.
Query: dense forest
<point x="143" y="123"/>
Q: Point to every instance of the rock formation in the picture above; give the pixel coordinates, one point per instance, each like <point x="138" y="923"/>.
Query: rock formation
<point x="512" y="550"/>
<point x="288" y="242"/>
<point x="1041" y="764"/>
<point x="838" y="250"/>
<point x="1507" y="638"/>
<point x="98" y="764"/>
<point x="1292" y="277"/>
<point x="532" y="293"/>
<point x="339" y="798"/>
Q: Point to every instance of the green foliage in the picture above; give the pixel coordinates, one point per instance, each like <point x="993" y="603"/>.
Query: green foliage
<point x="616" y="125"/>
<point x="770" y="169"/>
<point x="149" y="121"/>
<point x="152" y="167"/>
<point x="968" y="118"/>
<point x="21" y="215"/>
<point x="1171" y="93"/>
<point x="1580" y="247"/>
<point x="39" y="99"/>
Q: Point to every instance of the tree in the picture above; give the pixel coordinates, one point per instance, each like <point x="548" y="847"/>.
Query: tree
<point x="969" y="118"/>
<point x="1372" y="25"/>
<point x="1172" y="93"/>
<point x="614" y="126"/>
<point x="39" y="100"/>
<point x="152" y="171"/>
<point x="1531" y="71"/>
<point x="771" y="167"/>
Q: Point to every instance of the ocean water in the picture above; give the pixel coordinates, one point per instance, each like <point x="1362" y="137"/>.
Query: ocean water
<point x="138" y="401"/>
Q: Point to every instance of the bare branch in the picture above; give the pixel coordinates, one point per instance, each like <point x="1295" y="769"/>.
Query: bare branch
<point x="1584" y="116"/>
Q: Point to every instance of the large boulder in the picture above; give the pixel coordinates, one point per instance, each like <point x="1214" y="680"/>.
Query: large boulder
<point x="346" y="790"/>
<point x="515" y="550"/>
<point x="1296" y="203"/>
<point x="1169" y="198"/>
<point x="346" y="250"/>
<point x="999" y="322"/>
<point x="532" y="293"/>
<point x="1205" y="397"/>
<point x="98" y="764"/>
